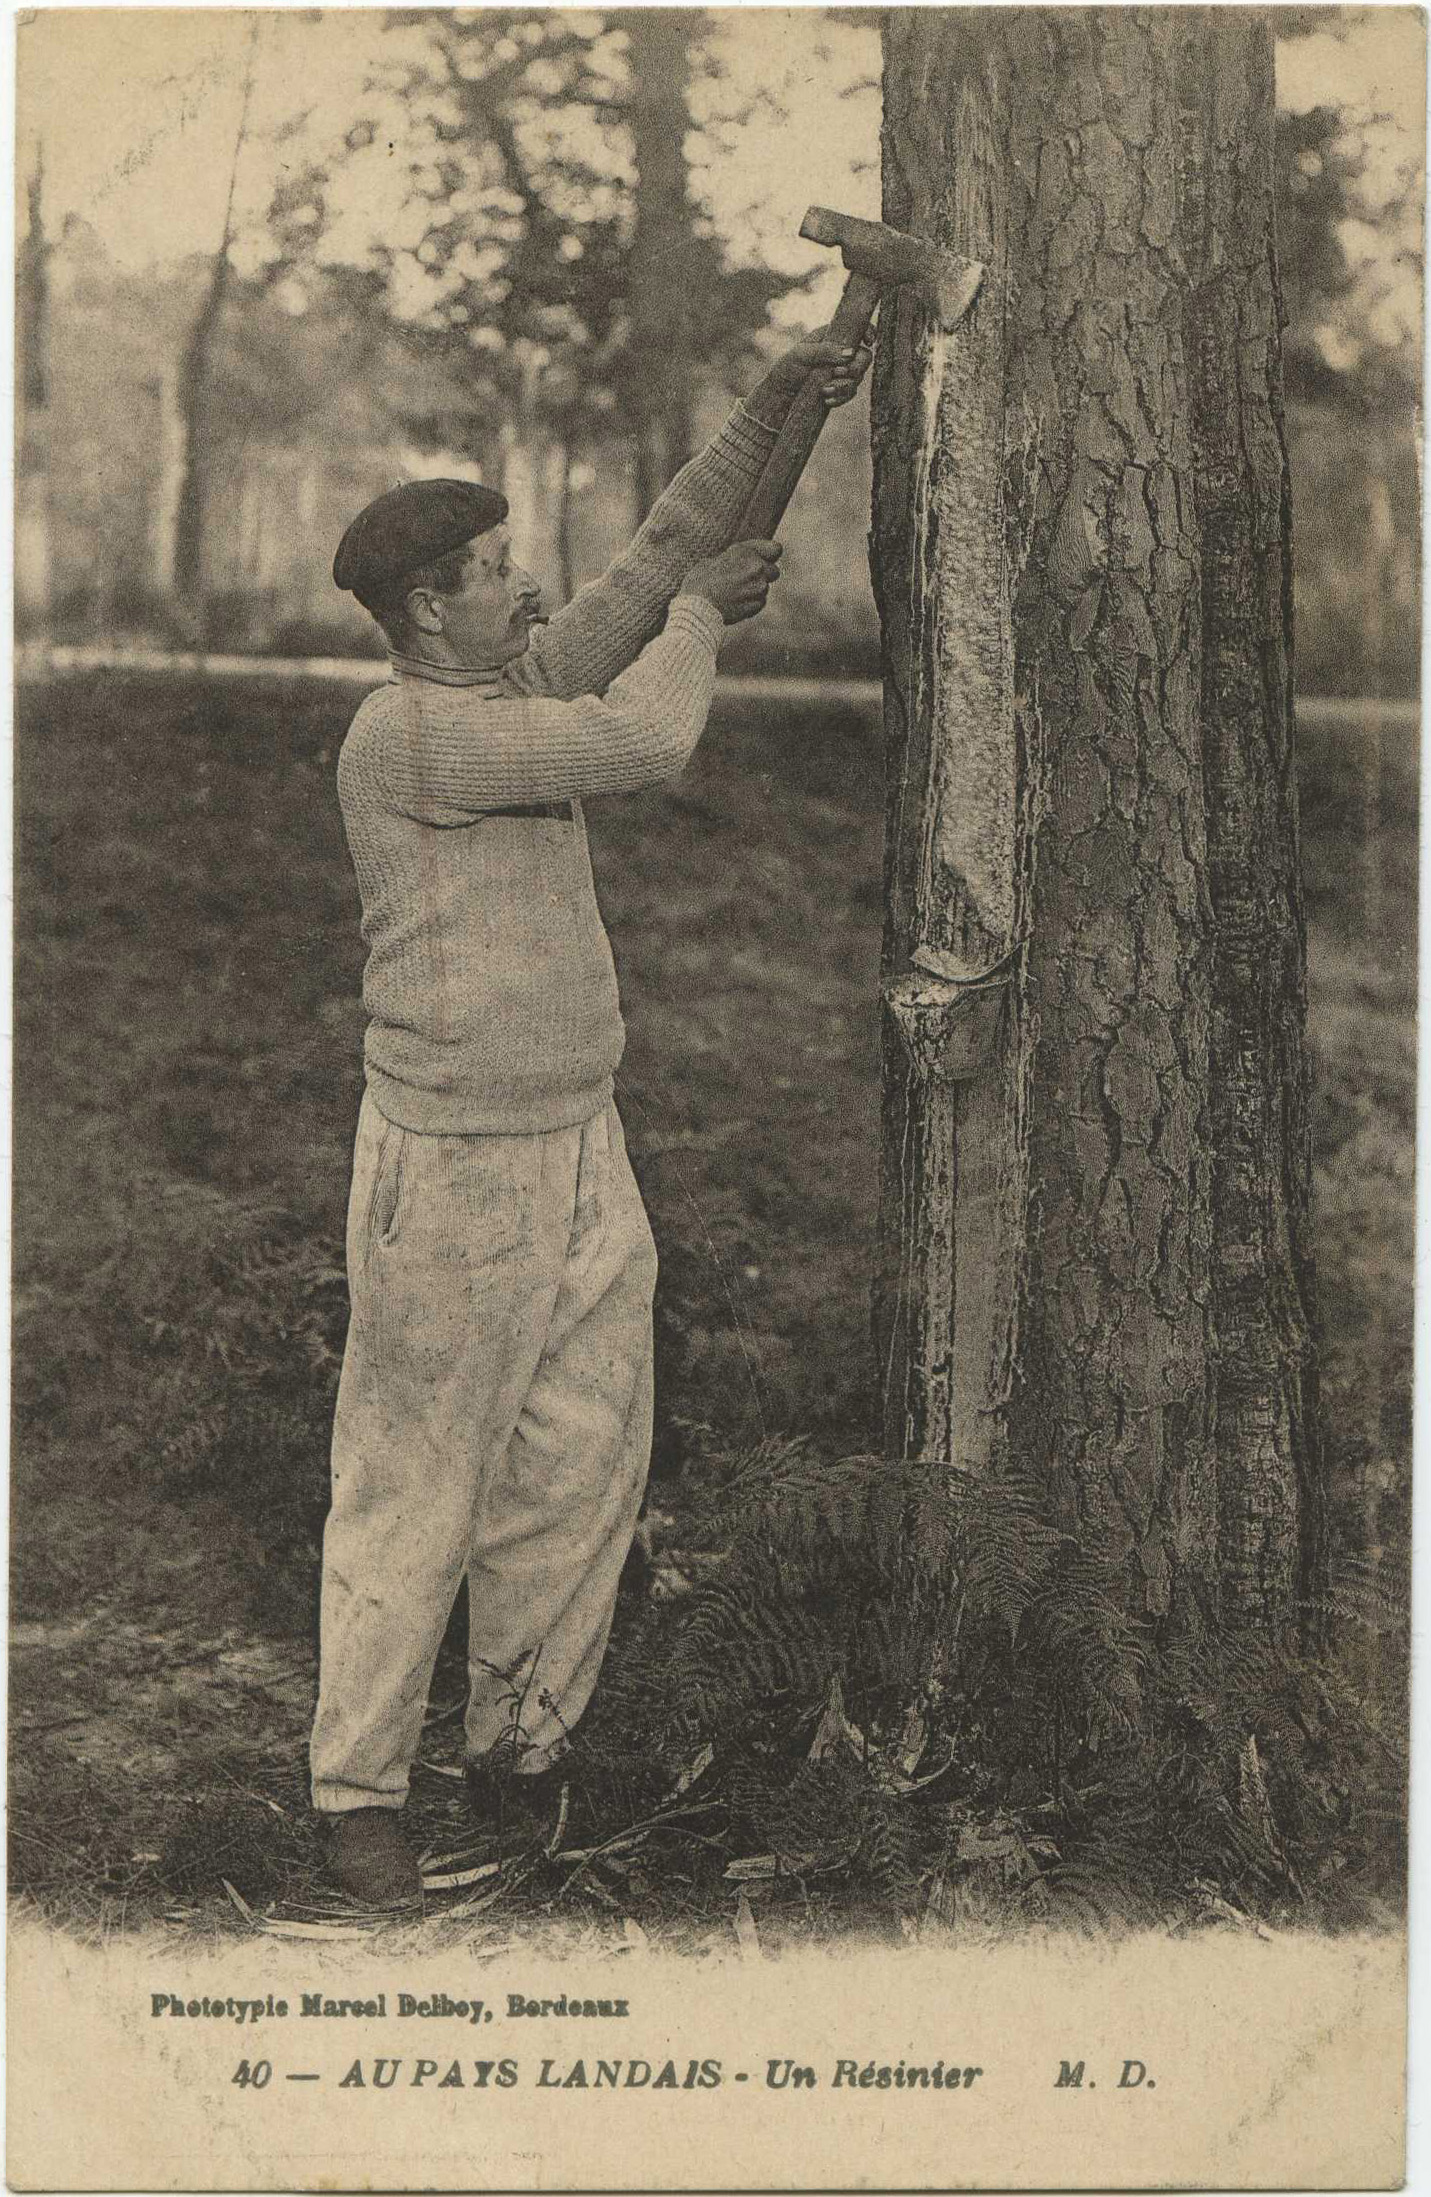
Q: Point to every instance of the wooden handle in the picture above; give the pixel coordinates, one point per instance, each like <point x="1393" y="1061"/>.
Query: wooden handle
<point x="801" y="431"/>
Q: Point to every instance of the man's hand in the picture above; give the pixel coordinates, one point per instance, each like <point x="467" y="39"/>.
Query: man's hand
<point x="844" y="370"/>
<point x="737" y="581"/>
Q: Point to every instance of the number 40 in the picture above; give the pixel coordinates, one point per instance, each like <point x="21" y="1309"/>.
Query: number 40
<point x="255" y="2077"/>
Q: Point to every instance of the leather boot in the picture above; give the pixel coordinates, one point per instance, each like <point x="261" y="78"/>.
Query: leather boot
<point x="370" y="1860"/>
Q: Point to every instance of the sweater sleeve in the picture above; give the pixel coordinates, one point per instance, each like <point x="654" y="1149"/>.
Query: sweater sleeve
<point x="445" y="755"/>
<point x="603" y="628"/>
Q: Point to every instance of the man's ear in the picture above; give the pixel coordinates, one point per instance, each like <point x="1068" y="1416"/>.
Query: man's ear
<point x="424" y="610"/>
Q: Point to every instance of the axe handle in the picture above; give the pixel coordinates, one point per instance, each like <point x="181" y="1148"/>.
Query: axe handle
<point x="801" y="431"/>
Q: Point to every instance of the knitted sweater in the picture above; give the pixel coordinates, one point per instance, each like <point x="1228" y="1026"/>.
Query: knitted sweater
<point x="489" y="986"/>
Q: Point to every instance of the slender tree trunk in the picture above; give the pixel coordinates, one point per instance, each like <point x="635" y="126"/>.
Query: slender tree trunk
<point x="192" y="506"/>
<point x="34" y="479"/>
<point x="520" y="469"/>
<point x="565" y="549"/>
<point x="193" y="389"/>
<point x="659" y="394"/>
<point x="1094" y="1258"/>
<point x="33" y="286"/>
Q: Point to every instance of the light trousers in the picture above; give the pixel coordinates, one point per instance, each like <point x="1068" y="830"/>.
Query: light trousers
<point x="493" y="1422"/>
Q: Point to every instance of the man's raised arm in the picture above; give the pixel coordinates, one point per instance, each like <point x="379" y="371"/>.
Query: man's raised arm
<point x="604" y="628"/>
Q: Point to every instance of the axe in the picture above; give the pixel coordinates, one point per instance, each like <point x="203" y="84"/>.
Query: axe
<point x="878" y="259"/>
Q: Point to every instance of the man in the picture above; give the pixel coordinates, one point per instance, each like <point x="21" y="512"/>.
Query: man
<point x="494" y="1413"/>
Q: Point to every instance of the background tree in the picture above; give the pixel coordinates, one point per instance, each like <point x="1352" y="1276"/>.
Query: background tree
<point x="1352" y="371"/>
<point x="33" y="293"/>
<point x="554" y="256"/>
<point x="1095" y="1269"/>
<point x="32" y="442"/>
<point x="194" y="392"/>
<point x="663" y="271"/>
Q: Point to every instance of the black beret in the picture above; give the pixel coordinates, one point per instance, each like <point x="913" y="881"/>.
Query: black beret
<point x="408" y="526"/>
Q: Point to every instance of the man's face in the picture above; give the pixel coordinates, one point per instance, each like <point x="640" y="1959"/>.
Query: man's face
<point x="487" y="621"/>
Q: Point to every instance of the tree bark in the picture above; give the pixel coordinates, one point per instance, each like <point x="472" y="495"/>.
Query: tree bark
<point x="1272" y="1509"/>
<point x="1095" y="1182"/>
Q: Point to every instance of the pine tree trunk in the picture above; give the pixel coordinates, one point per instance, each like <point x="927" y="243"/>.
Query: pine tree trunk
<point x="1094" y="1260"/>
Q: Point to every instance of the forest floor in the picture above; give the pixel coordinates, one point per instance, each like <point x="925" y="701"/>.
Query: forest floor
<point x="189" y="1039"/>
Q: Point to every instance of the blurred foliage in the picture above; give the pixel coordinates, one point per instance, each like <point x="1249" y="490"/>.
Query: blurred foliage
<point x="543" y="153"/>
<point x="1352" y="373"/>
<point x="1338" y="348"/>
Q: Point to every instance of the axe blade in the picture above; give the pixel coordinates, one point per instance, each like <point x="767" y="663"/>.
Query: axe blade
<point x="891" y="258"/>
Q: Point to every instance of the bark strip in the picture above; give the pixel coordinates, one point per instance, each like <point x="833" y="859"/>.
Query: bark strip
<point x="943" y="573"/>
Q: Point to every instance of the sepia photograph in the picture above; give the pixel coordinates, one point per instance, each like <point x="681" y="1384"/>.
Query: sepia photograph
<point x="716" y="776"/>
